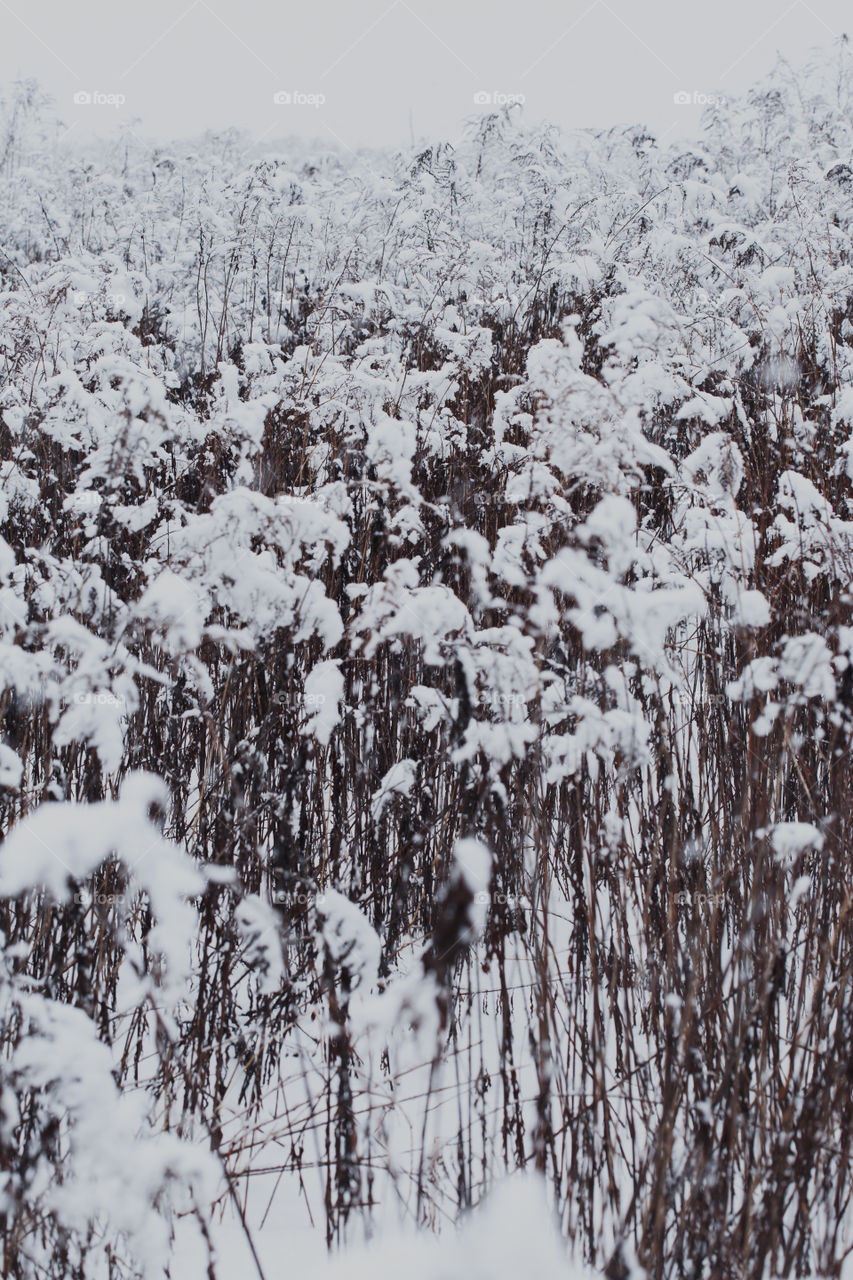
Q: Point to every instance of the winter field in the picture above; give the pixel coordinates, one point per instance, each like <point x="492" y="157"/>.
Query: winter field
<point x="426" y="688"/>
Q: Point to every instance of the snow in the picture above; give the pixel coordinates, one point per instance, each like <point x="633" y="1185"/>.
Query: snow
<point x="790" y="839"/>
<point x="512" y="1234"/>
<point x="398" y="781"/>
<point x="63" y="843"/>
<point x="351" y="942"/>
<point x="426" y="696"/>
<point x="322" y="695"/>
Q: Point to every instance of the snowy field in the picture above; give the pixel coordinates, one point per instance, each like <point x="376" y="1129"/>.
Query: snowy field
<point x="426" y="693"/>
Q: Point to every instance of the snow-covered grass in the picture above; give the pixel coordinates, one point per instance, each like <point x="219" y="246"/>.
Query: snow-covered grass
<point x="427" y="676"/>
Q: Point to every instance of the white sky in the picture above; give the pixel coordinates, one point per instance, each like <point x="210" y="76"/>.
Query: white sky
<point x="187" y="65"/>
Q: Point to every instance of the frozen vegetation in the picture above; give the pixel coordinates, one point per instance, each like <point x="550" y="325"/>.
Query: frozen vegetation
<point x="426" y="689"/>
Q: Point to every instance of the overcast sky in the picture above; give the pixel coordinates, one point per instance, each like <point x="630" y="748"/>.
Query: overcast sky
<point x="372" y="71"/>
